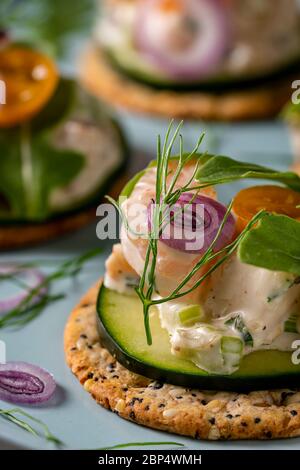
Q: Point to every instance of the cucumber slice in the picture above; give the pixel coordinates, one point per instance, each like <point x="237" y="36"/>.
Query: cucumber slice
<point x="133" y="68"/>
<point x="121" y="328"/>
<point x="74" y="122"/>
<point x="78" y="196"/>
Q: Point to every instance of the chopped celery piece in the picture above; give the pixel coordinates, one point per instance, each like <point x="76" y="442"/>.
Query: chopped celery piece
<point x="191" y="314"/>
<point x="231" y="344"/>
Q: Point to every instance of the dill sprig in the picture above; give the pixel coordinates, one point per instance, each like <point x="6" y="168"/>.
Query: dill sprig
<point x="167" y="193"/>
<point x="27" y="310"/>
<point x="11" y="415"/>
<point x="142" y="444"/>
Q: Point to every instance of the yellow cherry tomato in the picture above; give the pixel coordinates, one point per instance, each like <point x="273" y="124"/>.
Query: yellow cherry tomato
<point x="30" y="79"/>
<point x="250" y="201"/>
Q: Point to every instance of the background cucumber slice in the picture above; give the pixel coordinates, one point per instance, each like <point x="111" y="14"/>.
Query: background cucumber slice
<point x="121" y="328"/>
<point x="91" y="153"/>
<point x="133" y="69"/>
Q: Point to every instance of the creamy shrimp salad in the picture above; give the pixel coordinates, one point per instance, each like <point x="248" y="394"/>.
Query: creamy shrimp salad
<point x="238" y="309"/>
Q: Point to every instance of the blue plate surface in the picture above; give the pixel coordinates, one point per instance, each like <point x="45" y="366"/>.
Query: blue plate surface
<point x="73" y="415"/>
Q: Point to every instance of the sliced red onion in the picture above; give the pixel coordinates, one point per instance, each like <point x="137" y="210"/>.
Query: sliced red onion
<point x="21" y="382"/>
<point x="34" y="278"/>
<point x="187" y="40"/>
<point x="194" y="224"/>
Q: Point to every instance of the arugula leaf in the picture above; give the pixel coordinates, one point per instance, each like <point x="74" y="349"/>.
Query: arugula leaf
<point x="51" y="26"/>
<point x="273" y="244"/>
<point x="35" y="155"/>
<point x="222" y="169"/>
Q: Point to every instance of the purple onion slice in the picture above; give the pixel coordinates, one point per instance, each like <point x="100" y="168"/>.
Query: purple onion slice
<point x="194" y="222"/>
<point x="185" y="39"/>
<point x="25" y="383"/>
<point x="34" y="277"/>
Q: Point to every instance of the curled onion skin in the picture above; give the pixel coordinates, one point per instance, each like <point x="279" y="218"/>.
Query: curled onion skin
<point x="24" y="383"/>
<point x="200" y="54"/>
<point x="190" y="224"/>
<point x="11" y="303"/>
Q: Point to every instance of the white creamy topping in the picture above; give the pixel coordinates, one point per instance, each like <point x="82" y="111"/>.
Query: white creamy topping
<point x="263" y="299"/>
<point x="119" y="285"/>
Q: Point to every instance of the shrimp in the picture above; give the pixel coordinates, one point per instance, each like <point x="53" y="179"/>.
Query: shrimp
<point x="172" y="265"/>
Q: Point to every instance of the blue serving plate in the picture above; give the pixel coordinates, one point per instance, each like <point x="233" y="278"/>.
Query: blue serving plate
<point x="73" y="415"/>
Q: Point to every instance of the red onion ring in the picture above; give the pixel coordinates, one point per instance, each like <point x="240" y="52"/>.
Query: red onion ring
<point x="32" y="274"/>
<point x="184" y="228"/>
<point x="21" y="382"/>
<point x="201" y="55"/>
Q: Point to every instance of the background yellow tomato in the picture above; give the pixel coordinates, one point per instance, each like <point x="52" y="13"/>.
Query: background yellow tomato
<point x="30" y="79"/>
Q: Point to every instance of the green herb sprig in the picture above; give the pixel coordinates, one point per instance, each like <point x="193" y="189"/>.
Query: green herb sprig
<point x="26" y="311"/>
<point x="13" y="415"/>
<point x="142" y="444"/>
<point x="168" y="195"/>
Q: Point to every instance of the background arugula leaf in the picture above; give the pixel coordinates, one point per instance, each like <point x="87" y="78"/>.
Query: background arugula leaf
<point x="51" y="168"/>
<point x="273" y="244"/>
<point x="221" y="169"/>
<point x="56" y="27"/>
<point x="10" y="173"/>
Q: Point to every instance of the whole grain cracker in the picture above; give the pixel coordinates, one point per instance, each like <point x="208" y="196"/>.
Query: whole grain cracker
<point x="101" y="79"/>
<point x="189" y="412"/>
